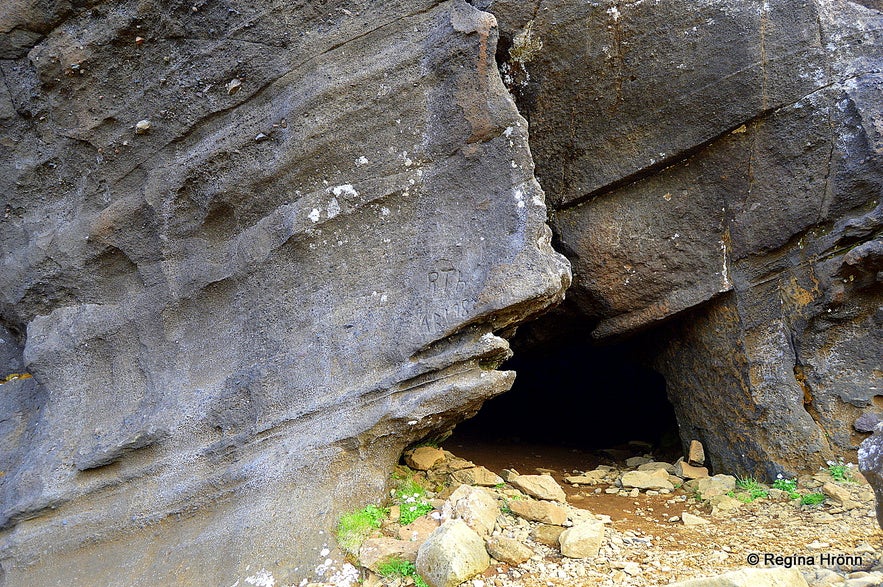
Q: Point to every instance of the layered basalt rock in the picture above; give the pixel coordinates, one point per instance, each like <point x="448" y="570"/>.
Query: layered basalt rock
<point x="248" y="254"/>
<point x="716" y="168"/>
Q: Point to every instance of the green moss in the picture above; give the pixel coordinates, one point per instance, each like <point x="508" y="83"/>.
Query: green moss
<point x="355" y="527"/>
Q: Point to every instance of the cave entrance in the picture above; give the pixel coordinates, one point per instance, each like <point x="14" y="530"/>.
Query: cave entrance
<point x="573" y="400"/>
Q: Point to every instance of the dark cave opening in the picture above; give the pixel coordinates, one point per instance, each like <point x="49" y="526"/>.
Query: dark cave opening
<point x="575" y="394"/>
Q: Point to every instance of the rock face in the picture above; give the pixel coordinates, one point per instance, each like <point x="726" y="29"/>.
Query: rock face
<point x="870" y="462"/>
<point x="719" y="167"/>
<point x="238" y="314"/>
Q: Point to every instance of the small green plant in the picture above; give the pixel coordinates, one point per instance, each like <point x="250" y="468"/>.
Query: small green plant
<point x="789" y="486"/>
<point x="411" y="497"/>
<point x="355" y="527"/>
<point x="397" y="567"/>
<point x="812" y="499"/>
<point x="840" y="471"/>
<point x="750" y="489"/>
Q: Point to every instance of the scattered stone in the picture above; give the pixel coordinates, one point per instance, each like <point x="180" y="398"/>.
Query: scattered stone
<point x="654" y="465"/>
<point x="509" y="474"/>
<point x="711" y="486"/>
<point x="423" y="458"/>
<point x="688" y="471"/>
<point x="657" y="479"/>
<point x="635" y="462"/>
<point x="475" y="506"/>
<point x="589" y="478"/>
<point x="477" y="476"/>
<point x="696" y="454"/>
<point x="452" y="554"/>
<point x="840" y="495"/>
<point x="418" y="530"/>
<point x="142" y="127"/>
<point x="233" y="86"/>
<point x="376" y="551"/>
<point x="508" y="550"/>
<point x="818" y="545"/>
<point x="692" y="520"/>
<point x="539" y="511"/>
<point x="774" y="577"/>
<point x="260" y="137"/>
<point x="547" y="534"/>
<point x="540" y="486"/>
<point x="722" y="504"/>
<point x="583" y="540"/>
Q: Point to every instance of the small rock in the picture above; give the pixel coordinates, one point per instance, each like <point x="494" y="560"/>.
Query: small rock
<point x="418" y="530"/>
<point x="260" y="137"/>
<point x="142" y="127"/>
<point x="233" y="86"/>
<point x="657" y="479"/>
<point x="477" y="476"/>
<point x="423" y="458"/>
<point x="692" y="519"/>
<point x="688" y="471"/>
<point x="774" y="577"/>
<point x="817" y="545"/>
<point x="508" y="475"/>
<point x="508" y="550"/>
<point x="722" y="504"/>
<point x="473" y="505"/>
<point x="376" y="551"/>
<point x="696" y="454"/>
<point x="540" y="486"/>
<point x="635" y="462"/>
<point x="539" y="511"/>
<point x="451" y="555"/>
<point x="589" y="478"/>
<point x="547" y="534"/>
<point x="654" y="465"/>
<point x="711" y="486"/>
<point x="582" y="541"/>
<point x="840" y="495"/>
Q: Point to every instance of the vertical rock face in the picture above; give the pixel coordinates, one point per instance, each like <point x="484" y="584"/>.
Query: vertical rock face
<point x="720" y="166"/>
<point x="239" y="312"/>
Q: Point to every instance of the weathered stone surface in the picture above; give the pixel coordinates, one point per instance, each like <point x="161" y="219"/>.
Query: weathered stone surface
<point x="777" y="577"/>
<point x="545" y="512"/>
<point x="696" y="453"/>
<point x="508" y="550"/>
<point x="451" y="554"/>
<point x="723" y="504"/>
<point x="376" y="551"/>
<point x="547" y="534"/>
<point x="583" y="540"/>
<point x="840" y="495"/>
<point x="477" y="476"/>
<point x="418" y="530"/>
<point x="657" y="479"/>
<point x="687" y="471"/>
<point x="540" y="487"/>
<point x="753" y="229"/>
<point x="692" y="519"/>
<point x="424" y="458"/>
<point x="473" y="505"/>
<point x="267" y="295"/>
<point x="870" y="463"/>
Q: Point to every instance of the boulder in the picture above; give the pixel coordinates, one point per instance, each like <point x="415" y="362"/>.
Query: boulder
<point x="540" y="487"/>
<point x="724" y="504"/>
<point x="656" y="465"/>
<point x="539" y="511"/>
<point x="709" y="487"/>
<point x="587" y="478"/>
<point x="451" y="554"/>
<point x="840" y="495"/>
<point x="870" y="463"/>
<point x="278" y="283"/>
<point x="547" y="534"/>
<point x="656" y="479"/>
<point x="424" y="458"/>
<point x="473" y="505"/>
<point x="696" y="454"/>
<point x="687" y="471"/>
<point x="508" y="550"/>
<point x="582" y="540"/>
<point x="419" y="529"/>
<point x="476" y="476"/>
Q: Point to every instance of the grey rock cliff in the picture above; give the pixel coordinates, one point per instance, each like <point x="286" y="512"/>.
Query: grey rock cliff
<point x="716" y="173"/>
<point x="238" y="317"/>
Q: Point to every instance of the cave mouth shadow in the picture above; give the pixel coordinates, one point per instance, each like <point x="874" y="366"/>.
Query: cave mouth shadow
<point x="571" y="392"/>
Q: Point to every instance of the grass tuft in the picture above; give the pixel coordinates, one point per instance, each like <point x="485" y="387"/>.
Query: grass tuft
<point x="355" y="527"/>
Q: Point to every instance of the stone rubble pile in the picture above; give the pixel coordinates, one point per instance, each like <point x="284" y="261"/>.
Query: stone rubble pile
<point x="487" y="532"/>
